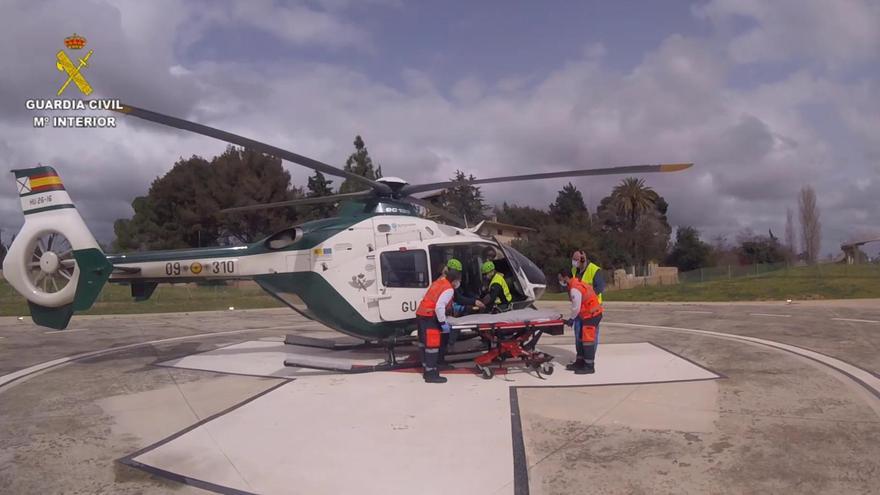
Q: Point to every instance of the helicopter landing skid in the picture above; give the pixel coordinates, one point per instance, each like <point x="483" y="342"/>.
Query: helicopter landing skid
<point x="339" y="344"/>
<point x="346" y="366"/>
<point x="390" y="363"/>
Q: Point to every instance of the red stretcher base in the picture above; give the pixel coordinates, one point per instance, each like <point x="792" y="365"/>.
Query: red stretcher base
<point x="516" y="341"/>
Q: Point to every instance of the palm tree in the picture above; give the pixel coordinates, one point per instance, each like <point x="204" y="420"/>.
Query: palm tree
<point x="633" y="198"/>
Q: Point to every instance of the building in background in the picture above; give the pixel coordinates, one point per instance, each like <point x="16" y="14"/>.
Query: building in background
<point x="504" y="232"/>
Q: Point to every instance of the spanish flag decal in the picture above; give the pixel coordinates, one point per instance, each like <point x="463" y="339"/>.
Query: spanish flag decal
<point x="41" y="179"/>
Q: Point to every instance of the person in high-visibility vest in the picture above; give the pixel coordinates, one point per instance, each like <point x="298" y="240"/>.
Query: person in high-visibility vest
<point x="588" y="272"/>
<point x="586" y="313"/>
<point x="499" y="296"/>
<point x="431" y="319"/>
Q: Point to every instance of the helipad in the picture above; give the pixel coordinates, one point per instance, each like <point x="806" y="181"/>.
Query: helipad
<point x="687" y="398"/>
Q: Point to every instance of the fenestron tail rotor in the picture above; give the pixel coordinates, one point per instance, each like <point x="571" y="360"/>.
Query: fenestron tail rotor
<point x="51" y="266"/>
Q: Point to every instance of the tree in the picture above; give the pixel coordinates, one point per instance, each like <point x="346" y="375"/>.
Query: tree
<point x="789" y="233"/>
<point x="722" y="253"/>
<point x="182" y="208"/>
<point x="633" y="222"/>
<point x="811" y="228"/>
<point x="464" y="199"/>
<point x="2" y="253"/>
<point x="569" y="206"/>
<point x="523" y="215"/>
<point x="319" y="186"/>
<point x="361" y="164"/>
<point x="759" y="249"/>
<point x="632" y="198"/>
<point x="689" y="252"/>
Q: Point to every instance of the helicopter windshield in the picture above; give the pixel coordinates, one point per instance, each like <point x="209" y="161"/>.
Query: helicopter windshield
<point x="534" y="274"/>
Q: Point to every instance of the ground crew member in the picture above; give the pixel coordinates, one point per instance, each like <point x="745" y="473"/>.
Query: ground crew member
<point x="431" y="319"/>
<point x="499" y="293"/>
<point x="586" y="313"/>
<point x="586" y="270"/>
<point x="462" y="304"/>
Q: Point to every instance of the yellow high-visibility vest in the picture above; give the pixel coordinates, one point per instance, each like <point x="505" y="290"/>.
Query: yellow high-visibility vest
<point x="499" y="279"/>
<point x="588" y="276"/>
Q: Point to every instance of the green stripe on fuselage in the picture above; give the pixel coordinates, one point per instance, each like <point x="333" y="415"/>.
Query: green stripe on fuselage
<point x="48" y="208"/>
<point x="327" y="306"/>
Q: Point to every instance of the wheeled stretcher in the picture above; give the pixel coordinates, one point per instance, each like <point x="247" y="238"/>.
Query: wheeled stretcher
<point x="512" y="335"/>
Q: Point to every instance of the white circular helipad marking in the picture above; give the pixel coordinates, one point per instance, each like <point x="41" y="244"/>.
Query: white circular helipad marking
<point x="23" y="373"/>
<point x="854" y="320"/>
<point x="864" y="378"/>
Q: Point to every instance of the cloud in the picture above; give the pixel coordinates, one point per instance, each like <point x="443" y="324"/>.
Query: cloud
<point x="834" y="34"/>
<point x="298" y="24"/>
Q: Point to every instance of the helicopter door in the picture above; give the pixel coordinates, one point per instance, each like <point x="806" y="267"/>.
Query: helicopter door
<point x="403" y="279"/>
<point x="531" y="278"/>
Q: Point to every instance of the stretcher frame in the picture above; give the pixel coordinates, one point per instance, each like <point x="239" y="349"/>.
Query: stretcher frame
<point x="514" y="341"/>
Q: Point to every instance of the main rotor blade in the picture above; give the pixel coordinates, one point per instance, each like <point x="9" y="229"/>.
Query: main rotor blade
<point x="632" y="169"/>
<point x="454" y="219"/>
<point x="250" y="143"/>
<point x="304" y="201"/>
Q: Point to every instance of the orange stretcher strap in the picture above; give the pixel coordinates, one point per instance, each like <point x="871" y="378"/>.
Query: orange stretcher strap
<point x="432" y="338"/>
<point x="588" y="334"/>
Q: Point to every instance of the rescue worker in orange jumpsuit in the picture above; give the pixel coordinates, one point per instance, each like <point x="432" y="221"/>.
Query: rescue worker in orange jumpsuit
<point x="431" y="319"/>
<point x="586" y="313"/>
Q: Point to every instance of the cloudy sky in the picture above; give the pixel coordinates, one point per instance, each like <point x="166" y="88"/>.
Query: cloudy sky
<point x="765" y="97"/>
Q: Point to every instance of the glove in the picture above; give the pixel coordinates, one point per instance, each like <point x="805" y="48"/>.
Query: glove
<point x="445" y="328"/>
<point x="569" y="322"/>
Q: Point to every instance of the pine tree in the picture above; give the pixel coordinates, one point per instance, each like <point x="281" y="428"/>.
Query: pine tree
<point x="319" y="186"/>
<point x="464" y="200"/>
<point x="569" y="206"/>
<point x="361" y="164"/>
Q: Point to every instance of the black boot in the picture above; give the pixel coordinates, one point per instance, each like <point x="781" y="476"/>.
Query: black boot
<point x="587" y="369"/>
<point x="577" y="366"/>
<point x="433" y="377"/>
<point x="441" y="358"/>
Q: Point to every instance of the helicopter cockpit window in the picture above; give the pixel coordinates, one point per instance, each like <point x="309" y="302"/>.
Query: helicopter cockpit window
<point x="404" y="269"/>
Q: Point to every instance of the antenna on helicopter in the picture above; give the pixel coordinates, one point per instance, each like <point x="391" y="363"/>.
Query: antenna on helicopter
<point x="389" y="187"/>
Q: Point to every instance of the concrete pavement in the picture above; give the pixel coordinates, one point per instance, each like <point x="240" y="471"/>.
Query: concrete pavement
<point x="778" y="421"/>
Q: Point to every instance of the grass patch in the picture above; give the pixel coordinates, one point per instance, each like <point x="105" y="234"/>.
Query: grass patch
<point x="799" y="283"/>
<point x="116" y="299"/>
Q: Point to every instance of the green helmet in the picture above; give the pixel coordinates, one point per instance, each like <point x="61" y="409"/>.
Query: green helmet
<point x="453" y="264"/>
<point x="487" y="267"/>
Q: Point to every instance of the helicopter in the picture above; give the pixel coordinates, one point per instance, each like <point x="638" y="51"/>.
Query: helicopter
<point x="361" y="272"/>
